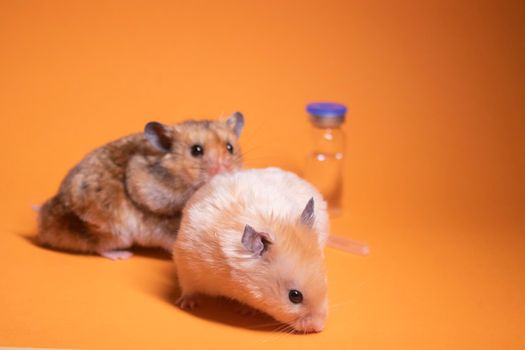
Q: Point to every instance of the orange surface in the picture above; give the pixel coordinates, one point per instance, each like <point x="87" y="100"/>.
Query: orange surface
<point x="435" y="166"/>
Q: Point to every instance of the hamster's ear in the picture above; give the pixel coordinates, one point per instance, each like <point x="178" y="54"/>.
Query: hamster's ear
<point x="158" y="135"/>
<point x="255" y="242"/>
<point x="308" y="217"/>
<point x="236" y="122"/>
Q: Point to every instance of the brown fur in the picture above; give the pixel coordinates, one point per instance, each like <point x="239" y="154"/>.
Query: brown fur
<point x="131" y="192"/>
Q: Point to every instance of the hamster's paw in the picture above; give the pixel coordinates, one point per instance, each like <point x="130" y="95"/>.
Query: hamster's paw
<point x="117" y="254"/>
<point x="187" y="302"/>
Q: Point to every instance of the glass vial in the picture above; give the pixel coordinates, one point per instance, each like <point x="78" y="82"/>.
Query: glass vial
<point x="324" y="166"/>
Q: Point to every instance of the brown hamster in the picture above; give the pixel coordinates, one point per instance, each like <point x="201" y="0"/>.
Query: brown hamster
<point x="257" y="236"/>
<point x="131" y="191"/>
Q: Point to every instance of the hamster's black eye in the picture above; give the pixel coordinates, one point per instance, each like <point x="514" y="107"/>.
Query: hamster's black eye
<point x="295" y="296"/>
<point x="197" y="150"/>
<point x="229" y="147"/>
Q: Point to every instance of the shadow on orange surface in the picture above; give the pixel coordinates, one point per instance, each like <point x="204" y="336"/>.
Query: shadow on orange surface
<point x="218" y="310"/>
<point x="154" y="253"/>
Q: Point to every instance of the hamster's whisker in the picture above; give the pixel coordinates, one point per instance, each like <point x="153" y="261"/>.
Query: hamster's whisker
<point x="268" y="324"/>
<point x="282" y="328"/>
<point x="254" y="158"/>
<point x="289" y="329"/>
<point x="264" y="325"/>
<point x="249" y="150"/>
<point x="237" y="158"/>
<point x="267" y="339"/>
<point x="279" y="327"/>
<point x="282" y="331"/>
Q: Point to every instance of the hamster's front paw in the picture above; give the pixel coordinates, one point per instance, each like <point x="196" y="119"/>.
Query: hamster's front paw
<point x="187" y="302"/>
<point x="117" y="254"/>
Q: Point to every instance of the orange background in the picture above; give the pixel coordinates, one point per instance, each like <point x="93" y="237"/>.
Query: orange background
<point x="434" y="172"/>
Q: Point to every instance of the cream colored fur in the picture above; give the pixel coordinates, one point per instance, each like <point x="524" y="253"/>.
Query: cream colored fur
<point x="211" y="258"/>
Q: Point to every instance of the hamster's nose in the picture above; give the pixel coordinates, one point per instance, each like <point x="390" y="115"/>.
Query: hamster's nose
<point x="311" y="324"/>
<point x="217" y="168"/>
<point x="317" y="326"/>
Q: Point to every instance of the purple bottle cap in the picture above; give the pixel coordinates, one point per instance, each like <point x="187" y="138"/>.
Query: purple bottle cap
<point x="326" y="114"/>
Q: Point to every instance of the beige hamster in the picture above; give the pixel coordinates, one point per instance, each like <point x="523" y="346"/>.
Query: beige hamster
<point x="131" y="191"/>
<point x="257" y="236"/>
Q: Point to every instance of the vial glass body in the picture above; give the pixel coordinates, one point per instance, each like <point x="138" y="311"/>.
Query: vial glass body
<point x="324" y="166"/>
